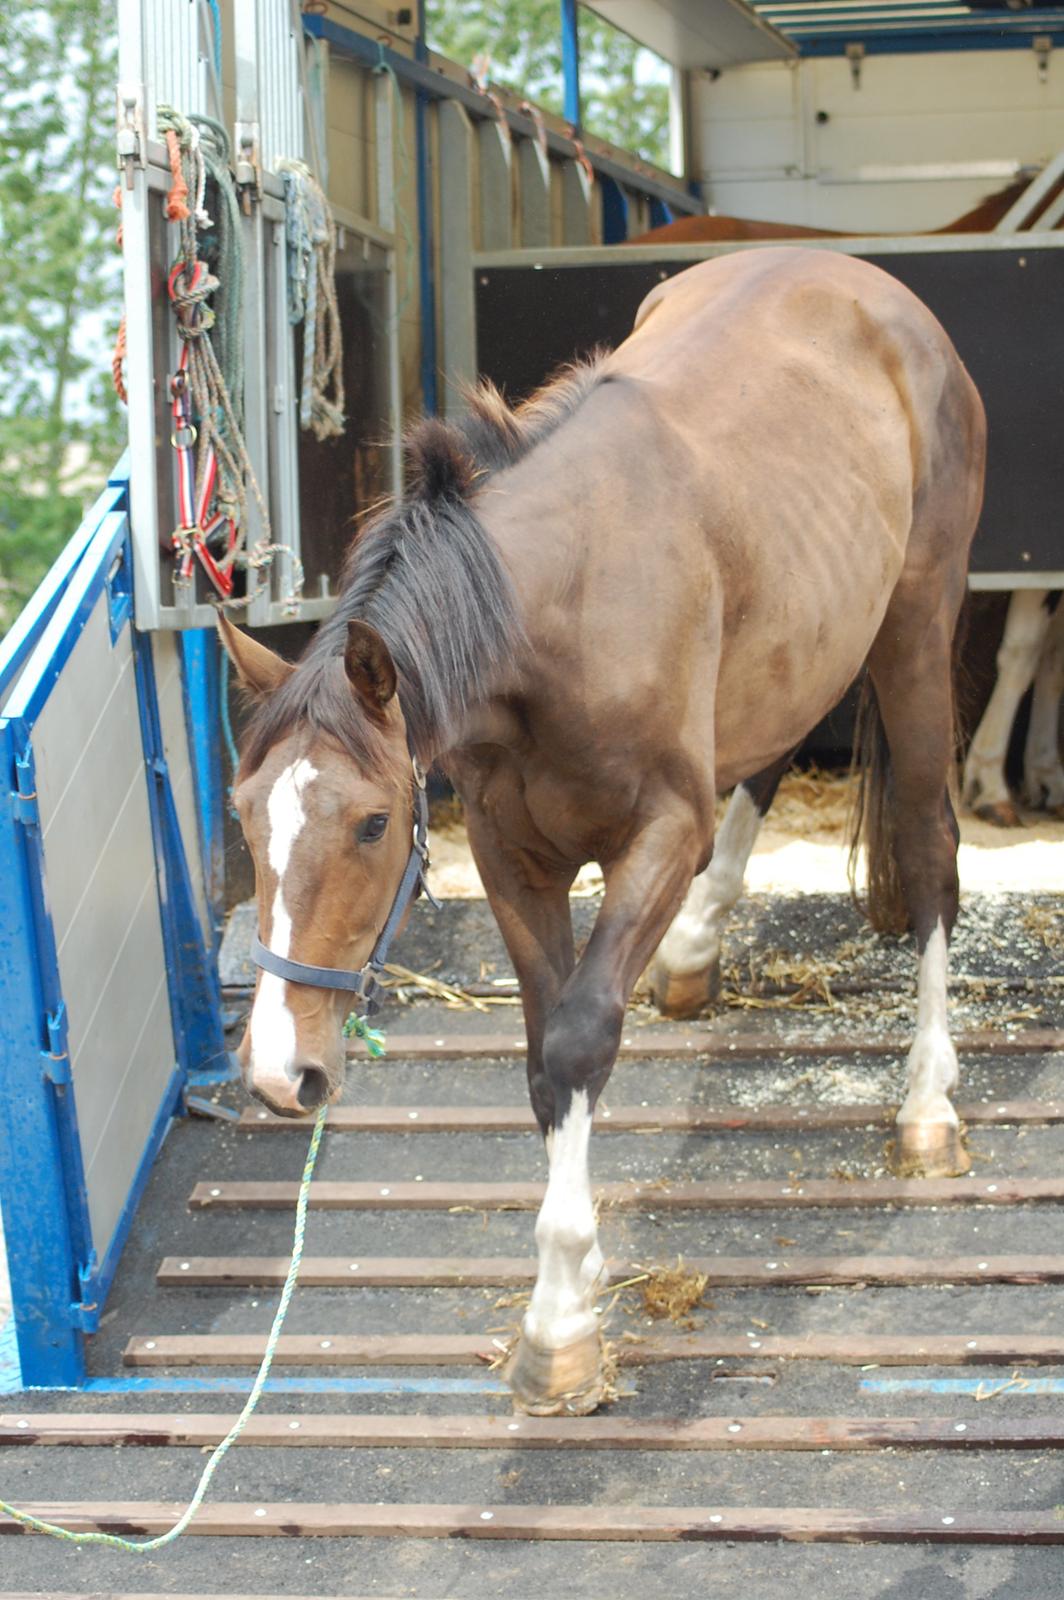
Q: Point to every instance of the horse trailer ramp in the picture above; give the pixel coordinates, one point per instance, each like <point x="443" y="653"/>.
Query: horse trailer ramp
<point x="864" y="1394"/>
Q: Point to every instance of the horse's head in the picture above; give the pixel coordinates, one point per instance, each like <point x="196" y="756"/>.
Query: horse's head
<point x="324" y="795"/>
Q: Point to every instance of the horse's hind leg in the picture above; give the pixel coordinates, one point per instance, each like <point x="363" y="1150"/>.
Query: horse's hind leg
<point x="985" y="788"/>
<point x="1043" y="772"/>
<point x="910" y="666"/>
<point x="685" y="973"/>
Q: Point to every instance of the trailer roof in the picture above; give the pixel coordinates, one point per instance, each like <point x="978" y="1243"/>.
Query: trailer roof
<point x="708" y="34"/>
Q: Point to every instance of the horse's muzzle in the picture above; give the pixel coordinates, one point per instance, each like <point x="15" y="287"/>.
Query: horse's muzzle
<point x="306" y="1090"/>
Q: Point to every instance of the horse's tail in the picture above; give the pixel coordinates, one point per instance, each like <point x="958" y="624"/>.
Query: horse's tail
<point x="872" y="819"/>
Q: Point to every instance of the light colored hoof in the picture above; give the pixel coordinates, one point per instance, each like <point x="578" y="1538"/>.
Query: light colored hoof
<point x="1002" y="814"/>
<point x="683" y="995"/>
<point x="558" y="1383"/>
<point x="929" y="1150"/>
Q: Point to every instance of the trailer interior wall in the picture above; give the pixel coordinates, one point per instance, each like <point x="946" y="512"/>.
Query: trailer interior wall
<point x="793" y="141"/>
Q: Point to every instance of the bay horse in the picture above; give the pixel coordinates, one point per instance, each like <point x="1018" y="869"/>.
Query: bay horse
<point x="639" y="589"/>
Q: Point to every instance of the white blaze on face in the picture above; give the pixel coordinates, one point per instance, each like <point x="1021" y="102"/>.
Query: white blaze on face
<point x="570" y="1261"/>
<point x="273" y="1029"/>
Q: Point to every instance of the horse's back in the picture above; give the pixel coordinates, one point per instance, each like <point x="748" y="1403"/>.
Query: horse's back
<point x="819" y="403"/>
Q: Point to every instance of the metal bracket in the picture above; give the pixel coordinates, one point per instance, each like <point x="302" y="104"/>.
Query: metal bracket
<point x="1042" y="45"/>
<point x="24" y="798"/>
<point x="855" y="54"/>
<point x="55" y="1060"/>
<point x="85" y="1314"/>
<point x="131" y="139"/>
<point x="248" y="163"/>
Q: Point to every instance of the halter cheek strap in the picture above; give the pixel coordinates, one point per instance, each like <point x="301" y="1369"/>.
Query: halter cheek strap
<point x="365" y="983"/>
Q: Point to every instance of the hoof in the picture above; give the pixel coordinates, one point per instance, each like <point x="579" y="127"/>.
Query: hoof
<point x="682" y="995"/>
<point x="929" y="1150"/>
<point x="1002" y="814"/>
<point x="558" y="1383"/>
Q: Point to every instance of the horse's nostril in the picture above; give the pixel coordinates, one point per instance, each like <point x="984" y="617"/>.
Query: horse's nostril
<point x="313" y="1090"/>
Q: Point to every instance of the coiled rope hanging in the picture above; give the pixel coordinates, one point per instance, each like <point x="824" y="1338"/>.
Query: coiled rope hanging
<point x="207" y="390"/>
<point x="311" y="235"/>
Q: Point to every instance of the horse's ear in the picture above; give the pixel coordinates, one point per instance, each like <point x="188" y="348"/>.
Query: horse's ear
<point x="259" y="670"/>
<point x="369" y="665"/>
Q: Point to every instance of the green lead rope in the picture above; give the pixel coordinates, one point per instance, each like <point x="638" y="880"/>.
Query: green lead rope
<point x="359" y="1028"/>
<point x="375" y="1044"/>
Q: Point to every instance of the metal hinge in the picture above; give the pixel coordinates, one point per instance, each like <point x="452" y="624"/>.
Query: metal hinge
<point x="24" y="797"/>
<point x="248" y="164"/>
<point x="130" y="140"/>
<point x="55" y="1060"/>
<point x="86" y="1313"/>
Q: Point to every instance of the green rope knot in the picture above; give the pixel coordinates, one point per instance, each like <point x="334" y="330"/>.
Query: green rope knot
<point x="358" y="1028"/>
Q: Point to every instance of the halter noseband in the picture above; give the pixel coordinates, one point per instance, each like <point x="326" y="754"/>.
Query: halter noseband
<point x="365" y="983"/>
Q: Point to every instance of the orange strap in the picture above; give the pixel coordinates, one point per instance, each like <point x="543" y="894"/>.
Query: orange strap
<point x="176" y="200"/>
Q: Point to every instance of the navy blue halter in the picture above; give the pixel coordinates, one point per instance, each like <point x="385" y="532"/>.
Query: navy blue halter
<point x="365" y="983"/>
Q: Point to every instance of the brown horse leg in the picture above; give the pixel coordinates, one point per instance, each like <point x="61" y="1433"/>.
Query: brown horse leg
<point x="910" y="668"/>
<point x="531" y="907"/>
<point x="684" y="975"/>
<point x="558" y="1364"/>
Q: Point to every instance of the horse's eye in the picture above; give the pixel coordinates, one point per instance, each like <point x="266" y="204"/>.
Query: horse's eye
<point x="373" y="827"/>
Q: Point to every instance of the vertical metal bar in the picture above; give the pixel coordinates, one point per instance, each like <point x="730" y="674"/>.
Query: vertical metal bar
<point x="385" y="111"/>
<point x="570" y="63"/>
<point x="426" y="282"/>
<point x="201" y="681"/>
<point x="679" y="112"/>
<point x="578" y="194"/>
<point x="533" y="176"/>
<point x="284" y="421"/>
<point x="42" y="1262"/>
<point x="458" y="322"/>
<point x="495" y="220"/>
<point x="136" y="54"/>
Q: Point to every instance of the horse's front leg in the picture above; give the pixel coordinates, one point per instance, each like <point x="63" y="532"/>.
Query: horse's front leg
<point x="558" y="1364"/>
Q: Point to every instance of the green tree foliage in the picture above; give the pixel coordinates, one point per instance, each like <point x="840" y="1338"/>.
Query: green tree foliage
<point x="521" y="40"/>
<point x="59" y="278"/>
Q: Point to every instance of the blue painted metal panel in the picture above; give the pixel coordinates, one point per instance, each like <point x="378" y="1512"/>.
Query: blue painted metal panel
<point x="58" y="1284"/>
<point x="41" y="1256"/>
<point x="26" y="630"/>
<point x="96" y="1284"/>
<point x="202" y="682"/>
<point x="614" y="212"/>
<point x="46" y="1220"/>
<point x="660" y="214"/>
<point x="192" y="972"/>
<point x="570" y="62"/>
<point x="238" y="1385"/>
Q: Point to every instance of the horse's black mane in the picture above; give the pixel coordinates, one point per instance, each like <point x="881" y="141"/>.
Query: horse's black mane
<point x="426" y="576"/>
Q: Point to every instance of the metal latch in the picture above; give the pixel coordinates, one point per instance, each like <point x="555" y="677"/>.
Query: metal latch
<point x="24" y="796"/>
<point x="130" y="140"/>
<point x="86" y="1314"/>
<point x="55" y="1060"/>
<point x="248" y="164"/>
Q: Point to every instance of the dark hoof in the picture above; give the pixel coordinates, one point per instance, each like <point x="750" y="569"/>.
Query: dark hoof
<point x="1002" y="814"/>
<point x="558" y="1383"/>
<point x="931" y="1150"/>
